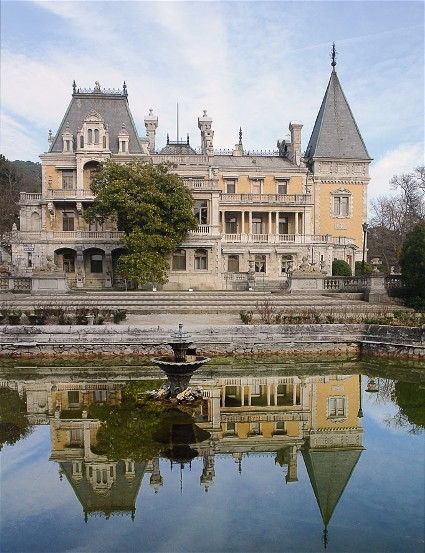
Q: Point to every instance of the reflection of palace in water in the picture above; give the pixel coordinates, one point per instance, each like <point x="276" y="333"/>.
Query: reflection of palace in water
<point x="279" y="417"/>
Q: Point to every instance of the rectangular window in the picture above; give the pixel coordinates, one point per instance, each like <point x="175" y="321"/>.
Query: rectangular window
<point x="257" y="225"/>
<point x="75" y="437"/>
<point x="68" y="218"/>
<point x="286" y="264"/>
<point x="282" y="186"/>
<point x="233" y="264"/>
<point x="201" y="211"/>
<point x="201" y="260"/>
<point x="69" y="263"/>
<point x="230" y="186"/>
<point x="74" y="398"/>
<point x="179" y="260"/>
<point x="68" y="180"/>
<point x="341" y="206"/>
<point x="283" y="225"/>
<point x="260" y="264"/>
<point x="337" y="407"/>
<point x="231" y="225"/>
<point x="256" y="186"/>
<point x="100" y="396"/>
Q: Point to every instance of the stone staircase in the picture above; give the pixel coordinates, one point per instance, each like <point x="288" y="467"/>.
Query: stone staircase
<point x="143" y="302"/>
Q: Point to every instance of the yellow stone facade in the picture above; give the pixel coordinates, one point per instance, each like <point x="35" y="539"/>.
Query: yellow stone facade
<point x="260" y="213"/>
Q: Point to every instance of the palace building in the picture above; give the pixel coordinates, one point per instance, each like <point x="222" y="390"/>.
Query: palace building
<point x="261" y="215"/>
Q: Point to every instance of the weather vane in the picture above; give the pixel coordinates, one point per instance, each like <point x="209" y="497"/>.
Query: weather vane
<point x="334" y="53"/>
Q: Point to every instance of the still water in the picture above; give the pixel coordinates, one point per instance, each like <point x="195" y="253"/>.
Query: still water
<point x="288" y="457"/>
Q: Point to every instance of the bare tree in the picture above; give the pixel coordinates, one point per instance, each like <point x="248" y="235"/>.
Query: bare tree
<point x="392" y="217"/>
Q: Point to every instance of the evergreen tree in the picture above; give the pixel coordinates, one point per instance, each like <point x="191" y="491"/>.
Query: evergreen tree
<point x="152" y="206"/>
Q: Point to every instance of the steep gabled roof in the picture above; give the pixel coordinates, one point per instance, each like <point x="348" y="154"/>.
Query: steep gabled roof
<point x="335" y="133"/>
<point x="111" y="105"/>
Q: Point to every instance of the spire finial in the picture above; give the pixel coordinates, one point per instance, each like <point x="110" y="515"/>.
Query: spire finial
<point x="334" y="54"/>
<point x="240" y="135"/>
<point x="74" y="87"/>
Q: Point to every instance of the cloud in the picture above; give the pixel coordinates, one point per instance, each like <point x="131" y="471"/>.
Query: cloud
<point x="402" y="159"/>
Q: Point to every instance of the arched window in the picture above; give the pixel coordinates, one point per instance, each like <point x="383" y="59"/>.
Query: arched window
<point x="96" y="136"/>
<point x="179" y="260"/>
<point x="89" y="136"/>
<point x="81" y="141"/>
<point x="104" y="141"/>
<point x="201" y="260"/>
<point x="96" y="263"/>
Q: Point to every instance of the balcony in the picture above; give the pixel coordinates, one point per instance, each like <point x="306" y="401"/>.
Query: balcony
<point x="288" y="238"/>
<point x="201" y="184"/>
<point x="63" y="235"/>
<point x="71" y="194"/>
<point x="269" y="199"/>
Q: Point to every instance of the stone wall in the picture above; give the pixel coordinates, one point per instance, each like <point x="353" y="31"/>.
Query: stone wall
<point x="110" y="340"/>
<point x="122" y="340"/>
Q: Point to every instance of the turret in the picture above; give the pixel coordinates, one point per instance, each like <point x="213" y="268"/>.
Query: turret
<point x="151" y="124"/>
<point x="207" y="134"/>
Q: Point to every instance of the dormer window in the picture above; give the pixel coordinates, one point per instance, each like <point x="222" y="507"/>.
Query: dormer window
<point x="94" y="134"/>
<point x="123" y="140"/>
<point x="68" y="141"/>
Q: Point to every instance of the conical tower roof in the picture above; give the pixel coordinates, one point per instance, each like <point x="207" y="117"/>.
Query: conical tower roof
<point x="329" y="472"/>
<point x="335" y="133"/>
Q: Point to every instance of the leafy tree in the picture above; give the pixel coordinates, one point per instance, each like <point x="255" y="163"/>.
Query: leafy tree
<point x="14" y="423"/>
<point x="412" y="260"/>
<point x="340" y="268"/>
<point x="152" y="206"/>
<point x="359" y="268"/>
<point x="411" y="400"/>
<point x="15" y="177"/>
<point x="392" y="217"/>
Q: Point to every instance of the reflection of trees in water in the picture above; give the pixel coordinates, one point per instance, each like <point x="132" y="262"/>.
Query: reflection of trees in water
<point x="411" y="400"/>
<point x="128" y="430"/>
<point x="408" y="397"/>
<point x="14" y="423"/>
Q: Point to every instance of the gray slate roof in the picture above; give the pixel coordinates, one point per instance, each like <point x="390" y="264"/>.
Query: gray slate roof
<point x="115" y="111"/>
<point x="329" y="472"/>
<point x="335" y="133"/>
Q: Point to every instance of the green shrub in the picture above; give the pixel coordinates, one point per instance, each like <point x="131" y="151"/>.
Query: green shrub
<point x="340" y="268"/>
<point x="359" y="266"/>
<point x="246" y="317"/>
<point x="119" y="315"/>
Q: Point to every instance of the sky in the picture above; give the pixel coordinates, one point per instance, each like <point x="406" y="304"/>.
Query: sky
<point x="254" y="65"/>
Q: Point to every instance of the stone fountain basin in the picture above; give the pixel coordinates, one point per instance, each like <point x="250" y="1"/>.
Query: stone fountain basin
<point x="180" y="367"/>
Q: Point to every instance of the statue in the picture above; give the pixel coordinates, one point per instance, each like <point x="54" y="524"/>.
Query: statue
<point x="49" y="266"/>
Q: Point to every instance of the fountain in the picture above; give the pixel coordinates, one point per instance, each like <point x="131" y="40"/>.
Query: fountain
<point x="180" y="368"/>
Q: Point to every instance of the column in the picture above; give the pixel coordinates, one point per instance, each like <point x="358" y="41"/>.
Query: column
<point x="270" y="223"/>
<point x="296" y="222"/>
<point x="249" y="222"/>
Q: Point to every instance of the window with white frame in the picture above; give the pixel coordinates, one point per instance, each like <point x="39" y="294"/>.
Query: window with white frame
<point x="256" y="185"/>
<point x="201" y="211"/>
<point x="230" y="186"/>
<point x="341" y="203"/>
<point x="201" y="260"/>
<point x="68" y="220"/>
<point x="337" y="407"/>
<point x="231" y="225"/>
<point x="281" y="186"/>
<point x="68" y="181"/>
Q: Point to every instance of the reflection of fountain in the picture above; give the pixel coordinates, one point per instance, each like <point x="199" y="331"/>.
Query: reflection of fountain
<point x="372" y="386"/>
<point x="180" y="368"/>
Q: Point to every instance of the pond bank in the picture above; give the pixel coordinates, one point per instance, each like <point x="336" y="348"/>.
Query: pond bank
<point x="231" y="340"/>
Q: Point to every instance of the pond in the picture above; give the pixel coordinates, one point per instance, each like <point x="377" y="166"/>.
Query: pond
<point x="294" y="456"/>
